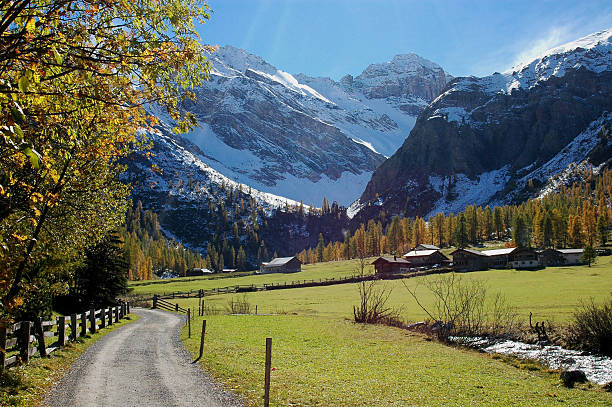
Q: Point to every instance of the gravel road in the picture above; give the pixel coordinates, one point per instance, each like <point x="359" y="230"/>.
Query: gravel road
<point x="140" y="364"/>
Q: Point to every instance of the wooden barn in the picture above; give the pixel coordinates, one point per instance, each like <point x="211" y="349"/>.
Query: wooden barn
<point x="499" y="258"/>
<point x="282" y="265"/>
<point x="391" y="265"/>
<point x="426" y="258"/>
<point x="469" y="260"/>
<point x="524" y="258"/>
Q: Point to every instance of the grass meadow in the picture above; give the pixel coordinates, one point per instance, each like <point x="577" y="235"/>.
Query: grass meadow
<point x="321" y="358"/>
<point x="332" y="269"/>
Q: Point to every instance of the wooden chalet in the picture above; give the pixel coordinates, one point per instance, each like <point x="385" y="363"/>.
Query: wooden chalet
<point x="391" y="265"/>
<point x="560" y="257"/>
<point x="426" y="258"/>
<point x="282" y="265"/>
<point x="524" y="258"/>
<point x="499" y="258"/>
<point x="469" y="260"/>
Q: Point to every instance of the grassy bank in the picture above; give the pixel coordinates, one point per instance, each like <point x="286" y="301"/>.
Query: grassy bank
<point x="551" y="293"/>
<point x="27" y="385"/>
<point x="321" y="358"/>
<point x="332" y="269"/>
<point x="327" y="361"/>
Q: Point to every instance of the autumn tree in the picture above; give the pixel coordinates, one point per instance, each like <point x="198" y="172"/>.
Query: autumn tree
<point x="75" y="77"/>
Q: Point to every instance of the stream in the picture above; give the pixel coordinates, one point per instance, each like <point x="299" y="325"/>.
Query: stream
<point x="598" y="369"/>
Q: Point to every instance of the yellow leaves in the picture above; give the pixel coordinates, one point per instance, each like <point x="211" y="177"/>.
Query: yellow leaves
<point x="31" y="25"/>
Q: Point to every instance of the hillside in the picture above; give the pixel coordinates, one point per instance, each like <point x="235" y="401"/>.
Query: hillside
<point x="485" y="140"/>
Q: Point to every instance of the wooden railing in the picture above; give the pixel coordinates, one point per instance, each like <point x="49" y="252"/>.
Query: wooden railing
<point x="283" y="285"/>
<point x="22" y="340"/>
<point x="167" y="305"/>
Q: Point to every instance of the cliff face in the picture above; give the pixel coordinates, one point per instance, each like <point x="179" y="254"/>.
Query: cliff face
<point x="482" y="139"/>
<point x="301" y="137"/>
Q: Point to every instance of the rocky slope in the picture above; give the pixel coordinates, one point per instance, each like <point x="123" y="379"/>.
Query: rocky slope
<point x="484" y="139"/>
<point x="301" y="137"/>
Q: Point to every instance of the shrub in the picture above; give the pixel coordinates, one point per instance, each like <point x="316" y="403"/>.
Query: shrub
<point x="372" y="308"/>
<point x="591" y="328"/>
<point x="461" y="307"/>
<point x="239" y="305"/>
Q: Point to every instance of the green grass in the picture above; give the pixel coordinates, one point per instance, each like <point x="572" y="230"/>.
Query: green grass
<point x="332" y="269"/>
<point x="27" y="385"/>
<point x="551" y="294"/>
<point x="321" y="358"/>
<point x="321" y="361"/>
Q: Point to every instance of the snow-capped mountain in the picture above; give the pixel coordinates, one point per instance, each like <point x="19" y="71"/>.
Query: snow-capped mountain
<point x="495" y="139"/>
<point x="300" y="137"/>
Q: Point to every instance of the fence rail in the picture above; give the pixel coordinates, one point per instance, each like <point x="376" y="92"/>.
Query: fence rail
<point x="22" y="340"/>
<point x="280" y="286"/>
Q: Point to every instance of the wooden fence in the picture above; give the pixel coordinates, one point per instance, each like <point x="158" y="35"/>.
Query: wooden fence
<point x="22" y="340"/>
<point x="283" y="285"/>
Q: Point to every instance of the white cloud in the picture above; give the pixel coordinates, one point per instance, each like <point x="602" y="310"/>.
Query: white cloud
<point x="533" y="49"/>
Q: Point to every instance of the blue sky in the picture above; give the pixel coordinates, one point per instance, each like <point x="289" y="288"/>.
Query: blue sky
<point x="336" y="37"/>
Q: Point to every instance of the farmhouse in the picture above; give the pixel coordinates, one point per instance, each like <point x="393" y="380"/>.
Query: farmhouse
<point x="389" y="265"/>
<point x="469" y="260"/>
<point x="426" y="257"/>
<point x="571" y="256"/>
<point x="524" y="258"/>
<point x="499" y="258"/>
<point x="282" y="265"/>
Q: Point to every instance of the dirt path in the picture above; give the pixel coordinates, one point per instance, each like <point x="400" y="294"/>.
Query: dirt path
<point x="140" y="364"/>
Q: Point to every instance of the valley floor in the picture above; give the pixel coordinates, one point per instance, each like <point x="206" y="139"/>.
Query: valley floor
<point x="321" y="358"/>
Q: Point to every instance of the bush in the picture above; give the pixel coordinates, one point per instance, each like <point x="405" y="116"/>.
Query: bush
<point x="591" y="328"/>
<point x="239" y="305"/>
<point x="461" y="307"/>
<point x="372" y="308"/>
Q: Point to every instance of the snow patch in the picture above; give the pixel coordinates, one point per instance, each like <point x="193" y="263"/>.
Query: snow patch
<point x="467" y="191"/>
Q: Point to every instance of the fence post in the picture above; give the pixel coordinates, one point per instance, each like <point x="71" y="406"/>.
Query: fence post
<point x="110" y="315"/>
<point x="202" y="339"/>
<point x="92" y="321"/>
<point x="121" y="311"/>
<point x="61" y="331"/>
<point x="83" y="324"/>
<point x="117" y="314"/>
<point x="127" y="307"/>
<point x="175" y="307"/>
<point x="3" y="335"/>
<point x="268" y="368"/>
<point x="24" y="345"/>
<point x="189" y="321"/>
<point x="40" y="332"/>
<point x="155" y="301"/>
<point x="102" y="318"/>
<point x="73" y="327"/>
<point x="255" y="309"/>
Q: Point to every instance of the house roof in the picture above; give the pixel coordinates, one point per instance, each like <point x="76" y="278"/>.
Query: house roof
<point x="392" y="260"/>
<point x="279" y="261"/>
<point x="420" y="253"/>
<point x="475" y="252"/>
<point x="498" y="252"/>
<point x="571" y="251"/>
<point x="427" y="247"/>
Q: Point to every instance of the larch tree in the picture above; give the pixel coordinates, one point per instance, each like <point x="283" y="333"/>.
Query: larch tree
<point x="75" y="77"/>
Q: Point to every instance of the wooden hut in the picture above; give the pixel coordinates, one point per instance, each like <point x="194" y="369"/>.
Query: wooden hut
<point x="391" y="265"/>
<point x="469" y="260"/>
<point x="282" y="265"/>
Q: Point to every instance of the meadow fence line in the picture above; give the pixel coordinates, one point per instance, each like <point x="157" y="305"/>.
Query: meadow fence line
<point x="22" y="340"/>
<point x="281" y="285"/>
